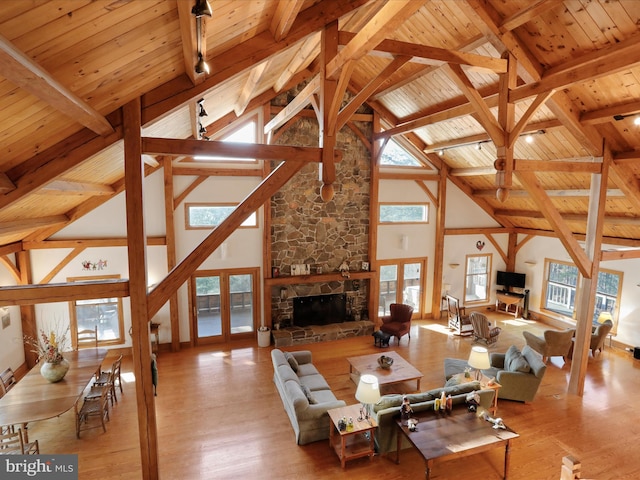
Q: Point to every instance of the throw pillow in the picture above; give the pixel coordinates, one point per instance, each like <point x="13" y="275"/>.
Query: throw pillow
<point x="307" y="393"/>
<point x="515" y="362"/>
<point x="511" y="353"/>
<point x="293" y="363"/>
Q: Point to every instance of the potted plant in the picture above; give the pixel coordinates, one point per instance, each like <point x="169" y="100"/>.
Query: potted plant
<point x="49" y="349"/>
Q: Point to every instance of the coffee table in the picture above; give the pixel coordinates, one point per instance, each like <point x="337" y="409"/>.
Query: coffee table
<point x="400" y="371"/>
<point x="459" y="434"/>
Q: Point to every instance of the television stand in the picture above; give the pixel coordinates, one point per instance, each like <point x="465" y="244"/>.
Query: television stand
<point x="510" y="300"/>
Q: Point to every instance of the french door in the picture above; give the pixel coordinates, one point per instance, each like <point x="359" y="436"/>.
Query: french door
<point x="402" y="281"/>
<point x="224" y="304"/>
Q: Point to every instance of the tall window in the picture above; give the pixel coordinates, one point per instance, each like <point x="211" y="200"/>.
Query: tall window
<point x="104" y="313"/>
<point x="561" y="287"/>
<point x="477" y="274"/>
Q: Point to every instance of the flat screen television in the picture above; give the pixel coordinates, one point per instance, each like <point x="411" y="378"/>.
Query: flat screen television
<point x="511" y="279"/>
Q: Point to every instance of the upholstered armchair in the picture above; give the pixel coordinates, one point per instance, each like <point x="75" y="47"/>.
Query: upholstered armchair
<point x="553" y="343"/>
<point x="482" y="329"/>
<point x="519" y="379"/>
<point x="599" y="335"/>
<point x="399" y="321"/>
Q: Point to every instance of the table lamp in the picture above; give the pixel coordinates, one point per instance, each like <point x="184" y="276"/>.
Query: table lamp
<point x="604" y="316"/>
<point x="367" y="393"/>
<point x="479" y="359"/>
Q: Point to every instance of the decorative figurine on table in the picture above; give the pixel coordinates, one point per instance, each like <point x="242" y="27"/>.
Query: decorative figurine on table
<point x="405" y="410"/>
<point x="473" y="400"/>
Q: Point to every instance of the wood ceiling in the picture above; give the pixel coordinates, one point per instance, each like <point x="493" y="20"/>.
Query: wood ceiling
<point x="445" y="75"/>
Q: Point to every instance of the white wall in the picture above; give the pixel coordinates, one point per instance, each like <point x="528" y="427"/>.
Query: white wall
<point x="244" y="249"/>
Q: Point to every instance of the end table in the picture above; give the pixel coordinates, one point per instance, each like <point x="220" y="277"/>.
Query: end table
<point x="355" y="442"/>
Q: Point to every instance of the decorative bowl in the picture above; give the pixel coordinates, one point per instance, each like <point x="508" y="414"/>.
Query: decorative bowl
<point x="385" y="362"/>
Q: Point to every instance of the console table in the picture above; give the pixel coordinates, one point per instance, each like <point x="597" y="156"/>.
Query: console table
<point x="509" y="299"/>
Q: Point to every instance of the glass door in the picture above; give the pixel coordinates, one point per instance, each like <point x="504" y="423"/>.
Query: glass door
<point x="208" y="308"/>
<point x="224" y="305"/>
<point x="402" y="281"/>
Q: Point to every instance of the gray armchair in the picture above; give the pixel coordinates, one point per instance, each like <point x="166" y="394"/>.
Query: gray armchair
<point x="553" y="343"/>
<point x="517" y="385"/>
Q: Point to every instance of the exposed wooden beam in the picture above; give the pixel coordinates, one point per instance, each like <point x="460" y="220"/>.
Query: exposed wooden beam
<point x="284" y="17"/>
<point x="524" y="120"/>
<point x="488" y="121"/>
<point x="87" y="243"/>
<point x="189" y="41"/>
<point x="613" y="192"/>
<point x="528" y="13"/>
<point x="298" y="103"/>
<point x="29" y="224"/>
<point x="557" y="166"/>
<point x="250" y="86"/>
<point x="552" y="215"/>
<point x="628" y="254"/>
<point x="362" y="95"/>
<point x="69" y="187"/>
<point x="20" y="70"/>
<point x="62" y="292"/>
<point x="422" y="176"/>
<point x="429" y="55"/>
<point x="300" y="60"/>
<point x="384" y="22"/>
<point x="6" y="185"/>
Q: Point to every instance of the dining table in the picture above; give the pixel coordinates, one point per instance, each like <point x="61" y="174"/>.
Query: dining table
<point x="34" y="398"/>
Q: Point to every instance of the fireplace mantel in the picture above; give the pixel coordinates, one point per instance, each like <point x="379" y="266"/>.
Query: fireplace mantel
<point x="318" y="278"/>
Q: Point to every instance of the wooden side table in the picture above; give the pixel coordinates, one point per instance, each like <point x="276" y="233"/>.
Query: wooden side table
<point x="352" y="443"/>
<point x="484" y="383"/>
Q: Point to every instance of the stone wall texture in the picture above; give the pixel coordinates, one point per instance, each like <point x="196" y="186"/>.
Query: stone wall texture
<point x="307" y="230"/>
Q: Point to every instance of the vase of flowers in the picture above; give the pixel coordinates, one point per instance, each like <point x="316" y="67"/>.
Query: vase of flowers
<point x="49" y="350"/>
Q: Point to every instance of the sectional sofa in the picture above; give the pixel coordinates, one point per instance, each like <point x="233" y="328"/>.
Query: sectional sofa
<point x="306" y="396"/>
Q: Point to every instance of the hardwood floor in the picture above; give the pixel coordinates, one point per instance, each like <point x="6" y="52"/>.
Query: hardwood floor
<point x="220" y="417"/>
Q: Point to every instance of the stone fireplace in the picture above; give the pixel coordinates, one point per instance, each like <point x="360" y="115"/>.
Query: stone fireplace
<point x="307" y="230"/>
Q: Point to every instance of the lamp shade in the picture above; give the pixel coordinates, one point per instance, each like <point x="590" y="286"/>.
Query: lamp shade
<point x="368" y="390"/>
<point x="479" y="358"/>
<point x="604" y="316"/>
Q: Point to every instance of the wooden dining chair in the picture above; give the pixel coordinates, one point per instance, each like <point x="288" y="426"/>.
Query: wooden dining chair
<point x="87" y="338"/>
<point x="12" y="443"/>
<point x="96" y="389"/>
<point x="8" y="380"/>
<point x="116" y="368"/>
<point x="97" y="407"/>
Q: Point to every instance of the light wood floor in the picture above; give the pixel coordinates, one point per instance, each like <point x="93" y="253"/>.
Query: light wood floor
<point x="220" y="417"/>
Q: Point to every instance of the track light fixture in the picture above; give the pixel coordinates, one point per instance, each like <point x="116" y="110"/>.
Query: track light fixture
<point x="202" y="130"/>
<point x="201" y="111"/>
<point x="202" y="66"/>
<point x="478" y="146"/>
<point x="202" y="8"/>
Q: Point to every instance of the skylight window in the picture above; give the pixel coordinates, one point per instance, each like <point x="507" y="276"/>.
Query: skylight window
<point x="396" y="156"/>
<point x="245" y="134"/>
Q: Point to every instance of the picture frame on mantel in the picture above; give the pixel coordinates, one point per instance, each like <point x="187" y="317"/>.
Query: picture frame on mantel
<point x="365" y="266"/>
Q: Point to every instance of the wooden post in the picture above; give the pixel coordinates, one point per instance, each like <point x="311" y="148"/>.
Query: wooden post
<point x="374" y="193"/>
<point x="438" y="257"/>
<point x="27" y="312"/>
<point x="136" y="247"/>
<point x="170" y="233"/>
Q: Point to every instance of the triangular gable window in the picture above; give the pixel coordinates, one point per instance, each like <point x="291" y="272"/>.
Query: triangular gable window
<point x="394" y="155"/>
